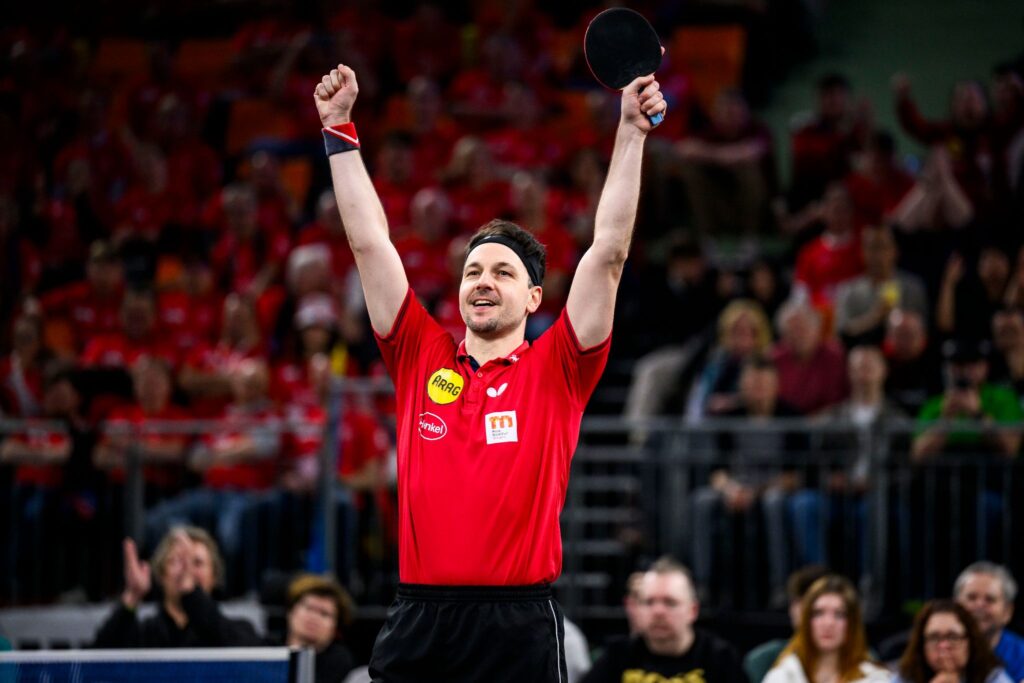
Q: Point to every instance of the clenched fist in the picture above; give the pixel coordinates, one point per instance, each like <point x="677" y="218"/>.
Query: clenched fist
<point x="335" y="95"/>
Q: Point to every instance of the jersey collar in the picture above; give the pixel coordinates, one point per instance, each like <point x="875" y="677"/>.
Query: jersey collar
<point x="511" y="358"/>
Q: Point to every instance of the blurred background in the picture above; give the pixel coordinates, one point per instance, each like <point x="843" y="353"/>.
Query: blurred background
<point x="818" y="354"/>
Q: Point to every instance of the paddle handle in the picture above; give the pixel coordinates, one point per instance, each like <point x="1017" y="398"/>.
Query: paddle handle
<point x="656" y="119"/>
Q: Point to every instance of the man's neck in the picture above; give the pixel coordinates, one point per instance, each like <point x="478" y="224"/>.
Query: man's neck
<point x="676" y="648"/>
<point x="482" y="349"/>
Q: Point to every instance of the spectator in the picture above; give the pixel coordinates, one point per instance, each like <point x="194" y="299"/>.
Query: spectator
<point x="962" y="149"/>
<point x="812" y="369"/>
<point x="91" y="307"/>
<point x="946" y="646"/>
<point x="729" y="170"/>
<point x="913" y="367"/>
<point x="765" y="286"/>
<point x="318" y="608"/>
<point x="669" y="645"/>
<point x="425" y="244"/>
<point x="968" y="396"/>
<point x="743" y="333"/>
<point x="188" y="567"/>
<point x="21" y="373"/>
<point x="473" y="184"/>
<point x="1008" y="339"/>
<point x="327" y="229"/>
<point x="988" y="591"/>
<point x="139" y="336"/>
<point x="394" y="179"/>
<point x="864" y="303"/>
<point x="758" y="479"/>
<point x="966" y="305"/>
<point x="821" y="148"/>
<point x="828" y="261"/>
<point x="206" y="373"/>
<point x="830" y="642"/>
<point x="239" y="464"/>
<point x="881" y="184"/>
<point x="759" y="660"/>
<point x="632" y="603"/>
<point x="189" y="305"/>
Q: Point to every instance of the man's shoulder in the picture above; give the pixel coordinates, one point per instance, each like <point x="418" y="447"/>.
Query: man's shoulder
<point x="1011" y="641"/>
<point x="706" y="643"/>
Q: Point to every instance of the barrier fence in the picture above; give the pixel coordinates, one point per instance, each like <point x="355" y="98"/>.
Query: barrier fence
<point x="809" y="491"/>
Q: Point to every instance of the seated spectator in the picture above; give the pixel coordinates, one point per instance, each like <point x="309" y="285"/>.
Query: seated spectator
<point x="880" y="185"/>
<point x="828" y="261"/>
<point x="91" y="307"/>
<point x="968" y="396"/>
<point x="187" y="567"/>
<point x="913" y="367"/>
<point x="138" y="336"/>
<point x="631" y="603"/>
<point x="327" y="229"/>
<point x="988" y="591"/>
<point x="239" y="465"/>
<point x="757" y="481"/>
<point x="743" y="333"/>
<point x="812" y="369"/>
<point x="968" y="301"/>
<point x="821" y="147"/>
<point x="1008" y="340"/>
<point x="864" y="303"/>
<point x="759" y="660"/>
<point x="128" y="429"/>
<point x="21" y="372"/>
<point x="669" y="645"/>
<point x="830" y="641"/>
<point x="474" y="186"/>
<point x="728" y="169"/>
<point x="765" y="286"/>
<point x="394" y="179"/>
<point x="206" y="372"/>
<point x="425" y="244"/>
<point x="946" y="646"/>
<point x="318" y="608"/>
<point x="189" y="306"/>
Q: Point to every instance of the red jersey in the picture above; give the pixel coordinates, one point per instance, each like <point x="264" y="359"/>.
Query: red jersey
<point x="90" y="314"/>
<point x="484" y="455"/>
<point x="21" y="388"/>
<point x="257" y="472"/>
<point x="162" y="475"/>
<point x="44" y="475"/>
<point x="190" y="320"/>
<point x="825" y="263"/>
<point x="118" y="351"/>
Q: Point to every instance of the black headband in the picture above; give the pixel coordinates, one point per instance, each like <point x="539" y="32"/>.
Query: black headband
<point x="531" y="263"/>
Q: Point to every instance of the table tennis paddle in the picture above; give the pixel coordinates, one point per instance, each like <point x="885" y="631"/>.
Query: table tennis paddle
<point x="621" y="45"/>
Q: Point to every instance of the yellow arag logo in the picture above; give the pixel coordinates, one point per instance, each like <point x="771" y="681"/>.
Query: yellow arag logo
<point x="444" y="386"/>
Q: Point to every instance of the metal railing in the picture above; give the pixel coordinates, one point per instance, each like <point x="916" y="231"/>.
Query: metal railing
<point x="901" y="530"/>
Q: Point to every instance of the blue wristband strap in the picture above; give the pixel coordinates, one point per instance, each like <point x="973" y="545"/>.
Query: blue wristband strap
<point x="340" y="138"/>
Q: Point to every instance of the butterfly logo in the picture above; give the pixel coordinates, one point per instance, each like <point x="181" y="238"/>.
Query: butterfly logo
<point x="495" y="393"/>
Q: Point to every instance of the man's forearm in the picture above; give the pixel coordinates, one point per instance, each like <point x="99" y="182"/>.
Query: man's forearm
<point x="616" y="210"/>
<point x="361" y="211"/>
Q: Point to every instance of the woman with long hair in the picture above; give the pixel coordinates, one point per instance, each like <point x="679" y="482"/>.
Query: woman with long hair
<point x="946" y="646"/>
<point x="830" y="645"/>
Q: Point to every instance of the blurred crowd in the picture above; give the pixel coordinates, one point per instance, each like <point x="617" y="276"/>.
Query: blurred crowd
<point x="171" y="249"/>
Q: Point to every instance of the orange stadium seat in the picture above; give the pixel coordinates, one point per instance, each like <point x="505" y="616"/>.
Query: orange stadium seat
<point x="712" y="56"/>
<point x="253" y="119"/>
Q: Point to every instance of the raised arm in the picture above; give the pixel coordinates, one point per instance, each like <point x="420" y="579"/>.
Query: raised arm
<point x="380" y="267"/>
<point x="591" y="301"/>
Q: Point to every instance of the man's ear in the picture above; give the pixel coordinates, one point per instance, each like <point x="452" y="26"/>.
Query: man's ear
<point x="533" y="303"/>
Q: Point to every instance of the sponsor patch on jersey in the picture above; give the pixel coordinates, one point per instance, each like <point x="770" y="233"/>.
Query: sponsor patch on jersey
<point x="432" y="427"/>
<point x="501" y="427"/>
<point x="444" y="386"/>
<point x="495" y="393"/>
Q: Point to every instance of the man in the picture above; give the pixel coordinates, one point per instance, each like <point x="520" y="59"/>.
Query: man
<point x="317" y="609"/>
<point x="812" y="369"/>
<point x="486" y="428"/>
<point x="988" y="591"/>
<point x="864" y="303"/>
<point x="669" y="649"/>
<point x="188" y="567"/>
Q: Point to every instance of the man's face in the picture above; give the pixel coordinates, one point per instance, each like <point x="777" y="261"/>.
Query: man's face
<point x="866" y="368"/>
<point x="879" y="251"/>
<point x="982" y="595"/>
<point x="759" y="386"/>
<point x="669" y="611"/>
<point x="138" y="315"/>
<point x="801" y="332"/>
<point x="313" y="621"/>
<point x="496" y="296"/>
<point x="1008" y="329"/>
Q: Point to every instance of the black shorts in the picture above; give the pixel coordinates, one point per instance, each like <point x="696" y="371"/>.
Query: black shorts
<point x="449" y="634"/>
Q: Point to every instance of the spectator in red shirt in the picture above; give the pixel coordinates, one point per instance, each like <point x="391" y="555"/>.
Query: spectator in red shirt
<point x="92" y="307"/>
<point x="147" y="205"/>
<point x="426" y="44"/>
<point x="239" y="463"/>
<point x="821" y="148"/>
<point x="327" y="230"/>
<point x="729" y="170"/>
<point x="250" y="254"/>
<point x="21" y="372"/>
<point x="194" y="169"/>
<point x="161" y="454"/>
<point x="833" y="258"/>
<point x="206" y="373"/>
<point x="525" y="141"/>
<point x="476" y="191"/>
<point x="190" y="309"/>
<point x="433" y="132"/>
<point x="812" y="369"/>
<point x="878" y="187"/>
<point x="139" y="336"/>
<point x="394" y="178"/>
<point x="426" y="243"/>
